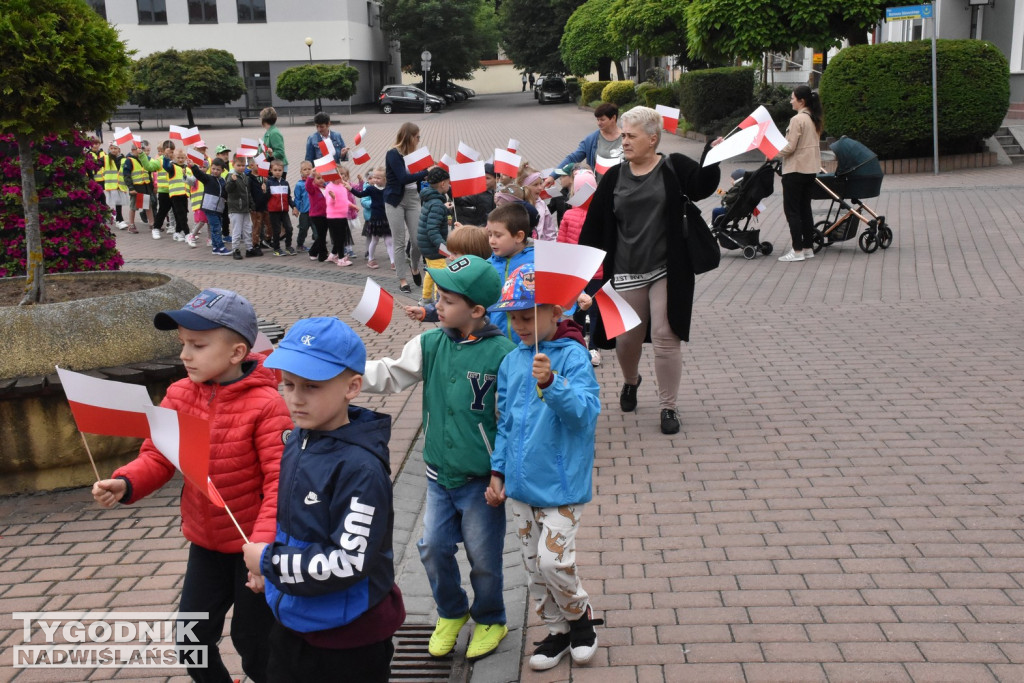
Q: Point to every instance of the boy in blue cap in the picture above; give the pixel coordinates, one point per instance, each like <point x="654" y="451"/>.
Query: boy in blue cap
<point x="458" y="364"/>
<point x="548" y="405"/>
<point x="329" y="576"/>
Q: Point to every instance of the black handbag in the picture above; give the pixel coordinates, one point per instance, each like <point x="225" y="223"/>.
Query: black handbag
<point x="705" y="253"/>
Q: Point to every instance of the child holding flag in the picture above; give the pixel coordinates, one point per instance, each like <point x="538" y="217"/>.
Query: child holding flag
<point x="376" y="226"/>
<point x="433" y="226"/>
<point x="279" y="203"/>
<point x="548" y="402"/>
<point x="240" y="204"/>
<point x="569" y="232"/>
<point x="457" y="364"/>
<point x="301" y="209"/>
<point x="227" y="385"/>
<point x="340" y="203"/>
<point x="508" y="228"/>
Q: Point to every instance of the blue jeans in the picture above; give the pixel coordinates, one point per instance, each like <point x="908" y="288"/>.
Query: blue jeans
<point x="462" y="515"/>
<point x="215" y="229"/>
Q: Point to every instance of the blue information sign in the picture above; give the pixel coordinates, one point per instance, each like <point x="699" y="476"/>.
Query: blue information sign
<point x="908" y="12"/>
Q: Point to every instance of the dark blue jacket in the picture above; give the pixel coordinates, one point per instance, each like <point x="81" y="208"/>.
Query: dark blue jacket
<point x="260" y="191"/>
<point x="432" y="231"/>
<point x="376" y="195"/>
<point x="398" y="177"/>
<point x="332" y="558"/>
<point x="313" y="147"/>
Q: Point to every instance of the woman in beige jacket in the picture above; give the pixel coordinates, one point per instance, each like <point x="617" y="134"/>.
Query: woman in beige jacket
<point x="801" y="161"/>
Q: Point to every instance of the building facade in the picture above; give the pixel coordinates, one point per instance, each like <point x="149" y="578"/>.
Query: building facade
<point x="266" y="38"/>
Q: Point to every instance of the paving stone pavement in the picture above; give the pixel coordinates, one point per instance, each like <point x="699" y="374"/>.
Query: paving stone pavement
<point x="843" y="503"/>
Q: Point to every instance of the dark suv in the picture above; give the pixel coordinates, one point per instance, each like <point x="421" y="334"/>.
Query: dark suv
<point x="553" y="89"/>
<point x="407" y="98"/>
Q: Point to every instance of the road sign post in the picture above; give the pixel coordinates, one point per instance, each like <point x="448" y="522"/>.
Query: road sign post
<point x="425" y="56"/>
<point x="924" y="12"/>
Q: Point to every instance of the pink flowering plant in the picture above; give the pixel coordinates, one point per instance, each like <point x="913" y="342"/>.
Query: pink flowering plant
<point x="73" y="217"/>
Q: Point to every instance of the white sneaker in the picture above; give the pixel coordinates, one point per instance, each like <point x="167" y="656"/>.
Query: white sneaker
<point x="156" y="234"/>
<point x="121" y="225"/>
<point x="595" y="357"/>
<point x="808" y="253"/>
<point x="178" y="237"/>
<point x="191" y="241"/>
<point x="792" y="256"/>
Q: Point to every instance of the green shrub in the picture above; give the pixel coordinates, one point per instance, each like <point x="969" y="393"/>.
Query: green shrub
<point x="619" y="92"/>
<point x="572" y="84"/>
<point x="642" y="88"/>
<point x="591" y="90"/>
<point x="881" y="95"/>
<point x="710" y="95"/>
<point x="655" y="96"/>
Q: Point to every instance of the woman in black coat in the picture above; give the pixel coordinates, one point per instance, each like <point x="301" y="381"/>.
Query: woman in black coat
<point x="636" y="217"/>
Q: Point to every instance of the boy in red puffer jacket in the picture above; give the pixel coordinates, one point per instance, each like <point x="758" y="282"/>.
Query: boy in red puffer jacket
<point x="227" y="385"/>
<point x="583" y="181"/>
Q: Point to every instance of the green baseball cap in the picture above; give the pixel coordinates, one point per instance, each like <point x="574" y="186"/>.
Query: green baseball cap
<point x="222" y="148"/>
<point x="470" y="276"/>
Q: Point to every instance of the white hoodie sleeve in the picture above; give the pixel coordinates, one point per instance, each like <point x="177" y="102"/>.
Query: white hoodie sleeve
<point x="389" y="376"/>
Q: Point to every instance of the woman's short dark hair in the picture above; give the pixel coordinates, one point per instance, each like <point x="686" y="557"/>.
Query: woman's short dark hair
<point x="813" y="103"/>
<point x="268" y="115"/>
<point x="322" y="118"/>
<point x="606" y="109"/>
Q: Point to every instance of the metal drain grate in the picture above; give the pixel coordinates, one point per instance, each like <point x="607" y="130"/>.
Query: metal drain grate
<point x="412" y="662"/>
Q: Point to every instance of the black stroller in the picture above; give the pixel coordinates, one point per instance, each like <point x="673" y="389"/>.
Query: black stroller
<point x="732" y="228"/>
<point x="858" y="176"/>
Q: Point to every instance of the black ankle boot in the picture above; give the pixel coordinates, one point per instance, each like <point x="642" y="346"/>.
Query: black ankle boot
<point x="627" y="397"/>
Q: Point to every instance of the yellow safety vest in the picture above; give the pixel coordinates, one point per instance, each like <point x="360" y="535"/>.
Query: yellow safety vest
<point x="112" y="178"/>
<point x="161" y="177"/>
<point x="176" y="184"/>
<point x="197" y="193"/>
<point x="140" y="176"/>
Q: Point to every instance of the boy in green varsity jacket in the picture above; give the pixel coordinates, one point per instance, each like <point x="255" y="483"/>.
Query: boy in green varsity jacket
<point x="458" y="365"/>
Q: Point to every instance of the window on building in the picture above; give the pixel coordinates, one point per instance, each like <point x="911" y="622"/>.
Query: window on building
<point x="202" y="11"/>
<point x="152" y="11"/>
<point x="252" y="11"/>
<point x="100" y="6"/>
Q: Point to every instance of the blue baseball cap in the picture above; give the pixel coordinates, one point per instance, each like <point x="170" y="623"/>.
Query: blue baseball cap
<point x="519" y="290"/>
<point x="319" y="349"/>
<point x="210" y="309"/>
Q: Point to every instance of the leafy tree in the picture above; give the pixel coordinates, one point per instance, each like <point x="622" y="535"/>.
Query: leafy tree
<point x="63" y="66"/>
<point x="185" y="79"/>
<point x="654" y="27"/>
<point x="457" y="33"/>
<point x="313" y="81"/>
<point x="588" y="44"/>
<point x="531" y="31"/>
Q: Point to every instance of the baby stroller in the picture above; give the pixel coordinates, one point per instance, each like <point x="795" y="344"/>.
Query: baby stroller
<point x="732" y="228"/>
<point x="858" y="176"/>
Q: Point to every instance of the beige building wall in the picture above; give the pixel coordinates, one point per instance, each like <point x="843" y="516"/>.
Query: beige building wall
<point x="495" y="78"/>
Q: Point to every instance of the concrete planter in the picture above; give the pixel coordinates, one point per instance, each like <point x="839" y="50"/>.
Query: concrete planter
<point x="110" y="336"/>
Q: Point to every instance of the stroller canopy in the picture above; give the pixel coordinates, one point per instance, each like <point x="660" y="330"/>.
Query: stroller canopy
<point x="854" y="159"/>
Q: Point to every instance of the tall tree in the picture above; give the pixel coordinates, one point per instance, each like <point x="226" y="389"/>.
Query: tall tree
<point x="531" y="31"/>
<point x="457" y="33"/>
<point x="588" y="44"/>
<point x="63" y="66"/>
<point x="185" y="79"/>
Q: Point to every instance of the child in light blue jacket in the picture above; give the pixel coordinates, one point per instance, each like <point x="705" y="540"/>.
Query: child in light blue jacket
<point x="548" y="403"/>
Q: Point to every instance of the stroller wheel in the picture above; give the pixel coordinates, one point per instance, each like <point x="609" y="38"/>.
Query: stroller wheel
<point x="868" y="242"/>
<point x="818" y="241"/>
<point x="749" y="252"/>
<point x="885" y="236"/>
<point x="766" y="248"/>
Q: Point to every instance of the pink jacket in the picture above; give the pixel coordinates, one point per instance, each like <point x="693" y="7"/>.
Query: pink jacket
<point x="572" y="225"/>
<point x="341" y="205"/>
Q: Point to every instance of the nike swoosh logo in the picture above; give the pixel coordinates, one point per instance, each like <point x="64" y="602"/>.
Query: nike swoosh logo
<point x="312" y="499"/>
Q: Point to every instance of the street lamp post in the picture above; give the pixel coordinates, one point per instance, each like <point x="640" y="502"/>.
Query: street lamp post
<point x="425" y="56"/>
<point x="309" y="46"/>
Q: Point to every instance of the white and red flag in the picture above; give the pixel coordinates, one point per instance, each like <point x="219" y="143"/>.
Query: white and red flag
<point x="550" y="192"/>
<point x="446" y="163"/>
<point x="102" y="406"/>
<point x="197" y="158"/>
<point x="191" y="136"/>
<point x="468" y="179"/>
<point x="326" y="167"/>
<point x="327" y="147"/>
<point x="513" y="145"/>
<point x="420" y="160"/>
<point x="375" y="307"/>
<point x="759" y="115"/>
<point x="358" y="139"/>
<point x="759" y="209"/>
<point x="262" y="343"/>
<point x="603" y="164"/>
<point x="263" y="168"/>
<point x="249" y="143"/>
<point x="669" y="117"/>
<point x="768" y="139"/>
<point x="185" y="441"/>
<point x="616" y="315"/>
<point x="142" y="200"/>
<point x="360" y="156"/>
<point x="466" y="154"/>
<point x="582" y="196"/>
<point x="123" y="136"/>
<point x="506" y="163"/>
<point x="562" y="270"/>
<point x="137" y="140"/>
<point x="177" y="132"/>
<point x="246" y="152"/>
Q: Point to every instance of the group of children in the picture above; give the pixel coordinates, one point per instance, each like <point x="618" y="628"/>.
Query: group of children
<point x="506" y="383"/>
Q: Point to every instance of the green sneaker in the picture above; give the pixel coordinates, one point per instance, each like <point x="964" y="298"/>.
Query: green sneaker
<point x="444" y="636"/>
<point x="485" y="640"/>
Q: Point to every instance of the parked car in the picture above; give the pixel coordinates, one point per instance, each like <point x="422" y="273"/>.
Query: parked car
<point x="448" y="97"/>
<point x="536" y="86"/>
<point x="407" y="98"/>
<point x="553" y="89"/>
<point x="468" y="92"/>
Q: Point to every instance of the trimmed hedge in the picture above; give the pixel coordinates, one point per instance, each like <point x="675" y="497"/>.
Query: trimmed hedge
<point x="619" y="92"/>
<point x="709" y="95"/>
<point x="591" y="90"/>
<point x="881" y="95"/>
<point x="656" y="96"/>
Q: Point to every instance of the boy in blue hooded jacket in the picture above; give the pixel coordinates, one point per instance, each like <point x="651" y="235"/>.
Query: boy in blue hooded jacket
<point x="548" y="403"/>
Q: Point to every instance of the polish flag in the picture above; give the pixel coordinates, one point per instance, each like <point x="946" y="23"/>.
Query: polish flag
<point x="178" y="133"/>
<point x="185" y="441"/>
<point x="420" y="160"/>
<point x="466" y="154"/>
<point x="602" y="164"/>
<point x="326" y="167"/>
<point x="550" y="192"/>
<point x="759" y="209"/>
<point x="468" y="179"/>
<point x="358" y="139"/>
<point x="617" y="315"/>
<point x="123" y="136"/>
<point x="191" y="136"/>
<point x="360" y="156"/>
<point x="142" y="201"/>
<point x="263" y="169"/>
<point x="513" y="145"/>
<point x="506" y="163"/>
<point x="768" y="139"/>
<point x="669" y="117"/>
<point x="375" y="308"/>
<point x="734" y="145"/>
<point x="249" y="143"/>
<point x="327" y="147"/>
<point x="102" y="406"/>
<point x="760" y="115"/>
<point x="562" y="270"/>
<point x="262" y="343"/>
<point x="246" y="152"/>
<point x="446" y="163"/>
<point x="137" y="140"/>
<point x="581" y="196"/>
<point x="195" y="157"/>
